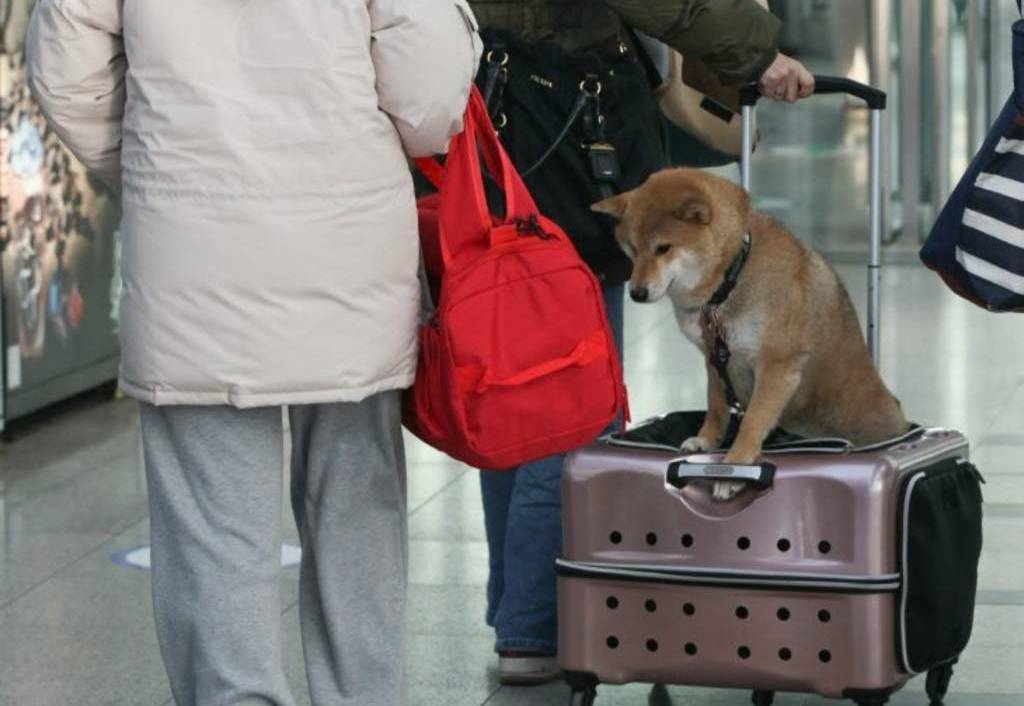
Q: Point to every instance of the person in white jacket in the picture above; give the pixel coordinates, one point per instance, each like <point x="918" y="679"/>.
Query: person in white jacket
<point x="270" y="258"/>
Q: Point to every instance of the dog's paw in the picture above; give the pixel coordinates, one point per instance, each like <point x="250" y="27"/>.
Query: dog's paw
<point x="696" y="444"/>
<point x="725" y="490"/>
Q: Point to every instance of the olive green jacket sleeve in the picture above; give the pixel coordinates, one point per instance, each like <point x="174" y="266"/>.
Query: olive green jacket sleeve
<point x="736" y="39"/>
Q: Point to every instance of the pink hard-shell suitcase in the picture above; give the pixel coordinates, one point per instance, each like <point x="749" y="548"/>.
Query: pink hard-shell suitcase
<point x="838" y="571"/>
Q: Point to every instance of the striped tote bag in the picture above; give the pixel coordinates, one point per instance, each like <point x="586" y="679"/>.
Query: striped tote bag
<point x="977" y="242"/>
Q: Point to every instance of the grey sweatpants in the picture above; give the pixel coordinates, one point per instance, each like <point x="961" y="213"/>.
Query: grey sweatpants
<point x="215" y="489"/>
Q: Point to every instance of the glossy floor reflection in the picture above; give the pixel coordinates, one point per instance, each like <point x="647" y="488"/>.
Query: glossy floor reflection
<point x="76" y="629"/>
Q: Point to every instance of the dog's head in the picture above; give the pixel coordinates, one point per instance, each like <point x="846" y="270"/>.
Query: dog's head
<point x="681" y="229"/>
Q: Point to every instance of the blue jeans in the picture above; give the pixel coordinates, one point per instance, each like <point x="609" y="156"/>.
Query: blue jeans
<point x="523" y="519"/>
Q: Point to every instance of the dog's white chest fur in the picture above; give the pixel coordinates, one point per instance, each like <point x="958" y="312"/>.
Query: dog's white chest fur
<point x="742" y="332"/>
<point x="689" y="324"/>
<point x="743" y="336"/>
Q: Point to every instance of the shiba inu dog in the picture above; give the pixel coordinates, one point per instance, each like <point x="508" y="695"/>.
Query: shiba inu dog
<point x="780" y="337"/>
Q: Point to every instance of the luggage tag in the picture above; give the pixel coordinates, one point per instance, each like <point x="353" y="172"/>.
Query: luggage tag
<point x="604" y="162"/>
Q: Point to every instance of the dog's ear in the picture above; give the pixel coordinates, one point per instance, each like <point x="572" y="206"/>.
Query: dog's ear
<point x="614" y="206"/>
<point x="694" y="210"/>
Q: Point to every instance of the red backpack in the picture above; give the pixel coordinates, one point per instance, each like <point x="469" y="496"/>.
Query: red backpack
<point x="518" y="361"/>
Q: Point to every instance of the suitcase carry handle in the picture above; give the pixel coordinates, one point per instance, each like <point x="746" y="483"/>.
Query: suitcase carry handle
<point x="681" y="472"/>
<point x="875" y="99"/>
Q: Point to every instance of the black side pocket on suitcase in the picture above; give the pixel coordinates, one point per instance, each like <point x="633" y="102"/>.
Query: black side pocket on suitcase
<point x="940" y="544"/>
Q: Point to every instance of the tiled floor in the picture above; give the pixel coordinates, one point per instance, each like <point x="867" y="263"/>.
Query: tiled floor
<point x="76" y="629"/>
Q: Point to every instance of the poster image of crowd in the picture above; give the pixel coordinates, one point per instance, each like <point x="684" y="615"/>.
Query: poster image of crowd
<point x="57" y="245"/>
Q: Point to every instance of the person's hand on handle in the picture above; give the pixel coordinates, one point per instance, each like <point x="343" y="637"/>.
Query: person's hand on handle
<point x="786" y="79"/>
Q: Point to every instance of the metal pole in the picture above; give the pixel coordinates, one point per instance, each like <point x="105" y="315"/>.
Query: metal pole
<point x="880" y="65"/>
<point x="910" y="116"/>
<point x="941" y="105"/>
<point x="1000" y="81"/>
<point x="972" y="68"/>
<point x="748" y="146"/>
<point x="875" y="262"/>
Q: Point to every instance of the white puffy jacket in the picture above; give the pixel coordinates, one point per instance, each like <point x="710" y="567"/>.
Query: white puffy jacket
<point x="270" y="246"/>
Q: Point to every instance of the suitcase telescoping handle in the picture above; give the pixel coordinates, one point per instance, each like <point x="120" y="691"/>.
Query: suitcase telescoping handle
<point x="875" y="100"/>
<point x="681" y="472"/>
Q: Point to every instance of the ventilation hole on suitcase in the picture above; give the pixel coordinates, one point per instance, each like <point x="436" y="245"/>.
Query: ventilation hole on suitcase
<point x="650" y="606"/>
<point x="652" y="538"/>
<point x="784" y="545"/>
<point x="742" y="613"/>
<point x="783" y="614"/>
<point x="687" y="540"/>
<point x="785" y="654"/>
<point x="612" y="642"/>
<point x="612" y="602"/>
<point x="615" y="537"/>
<point x="743" y="652"/>
<point x="690" y="648"/>
<point x="743" y="543"/>
<point x="824" y="547"/>
<point x="825" y="656"/>
<point x="824" y="616"/>
<point x="689" y="609"/>
<point x="652" y="645"/>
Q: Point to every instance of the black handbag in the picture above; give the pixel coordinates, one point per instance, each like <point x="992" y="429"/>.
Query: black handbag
<point x="580" y="127"/>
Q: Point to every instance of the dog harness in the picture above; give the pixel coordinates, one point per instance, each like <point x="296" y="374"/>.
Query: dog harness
<point x="713" y="330"/>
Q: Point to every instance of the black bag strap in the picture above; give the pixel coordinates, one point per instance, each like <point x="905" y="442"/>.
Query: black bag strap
<point x="495" y="77"/>
<point x="582" y="101"/>
<point x="587" y="105"/>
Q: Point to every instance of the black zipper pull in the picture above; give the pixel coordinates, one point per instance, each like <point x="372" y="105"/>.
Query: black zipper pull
<point x="532" y="225"/>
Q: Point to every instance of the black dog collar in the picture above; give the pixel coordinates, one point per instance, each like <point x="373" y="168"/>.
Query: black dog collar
<point x="732" y="275"/>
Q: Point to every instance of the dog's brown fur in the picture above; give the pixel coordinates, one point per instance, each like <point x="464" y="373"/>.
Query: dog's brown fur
<point x="798" y="357"/>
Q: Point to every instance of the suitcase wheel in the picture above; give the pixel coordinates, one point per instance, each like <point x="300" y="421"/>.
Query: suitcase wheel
<point x="868" y="697"/>
<point x="937" y="683"/>
<point x="582" y="698"/>
<point x="762" y="698"/>
<point x="584" y="688"/>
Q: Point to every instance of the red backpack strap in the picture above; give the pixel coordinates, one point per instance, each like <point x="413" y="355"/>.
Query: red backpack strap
<point x="519" y="204"/>
<point x="465" y="217"/>
<point x="432" y="170"/>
